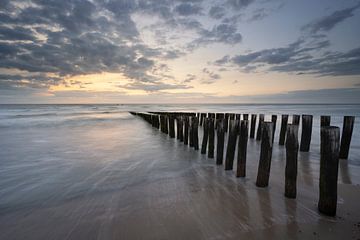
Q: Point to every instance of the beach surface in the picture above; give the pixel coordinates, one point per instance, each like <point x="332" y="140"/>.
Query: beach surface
<point x="113" y="176"/>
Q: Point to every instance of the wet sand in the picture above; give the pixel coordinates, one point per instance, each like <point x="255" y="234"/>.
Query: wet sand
<point x="130" y="181"/>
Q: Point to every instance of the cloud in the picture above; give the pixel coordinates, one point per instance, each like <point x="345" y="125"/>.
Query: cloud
<point x="211" y="77"/>
<point x="153" y="87"/>
<point x="239" y="4"/>
<point x="189" y="78"/>
<point x="187" y="9"/>
<point x="300" y="57"/>
<point x="327" y="23"/>
<point x="217" y="12"/>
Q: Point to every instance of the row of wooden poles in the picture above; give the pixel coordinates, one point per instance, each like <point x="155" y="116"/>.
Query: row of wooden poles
<point x="331" y="148"/>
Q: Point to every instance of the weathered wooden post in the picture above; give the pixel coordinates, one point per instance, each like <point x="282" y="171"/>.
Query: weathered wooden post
<point x="246" y="117"/>
<point x="306" y="133"/>
<point x="220" y="141"/>
<point x="166" y="124"/>
<point x="226" y="123"/>
<point x="171" y="126"/>
<point x="211" y="138"/>
<point x="265" y="155"/>
<point x="325" y="121"/>
<point x="273" y="120"/>
<point x="205" y="136"/>
<point x="191" y="135"/>
<point x="186" y="130"/>
<point x="296" y="119"/>
<point x="259" y="130"/>
<point x="284" y="123"/>
<point x="253" y="124"/>
<point x="237" y="116"/>
<point x="242" y="148"/>
<point x="347" y="131"/>
<point x="180" y="130"/>
<point x="163" y="123"/>
<point x="292" y="149"/>
<point x="329" y="164"/>
<point x="201" y="119"/>
<point x="195" y="135"/>
<point x="231" y="145"/>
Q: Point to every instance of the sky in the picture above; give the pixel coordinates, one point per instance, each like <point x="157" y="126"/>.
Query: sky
<point x="179" y="51"/>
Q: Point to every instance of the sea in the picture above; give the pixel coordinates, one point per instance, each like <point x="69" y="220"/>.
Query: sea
<point x="64" y="164"/>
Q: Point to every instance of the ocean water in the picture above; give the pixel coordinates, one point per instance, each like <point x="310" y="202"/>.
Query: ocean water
<point x="96" y="172"/>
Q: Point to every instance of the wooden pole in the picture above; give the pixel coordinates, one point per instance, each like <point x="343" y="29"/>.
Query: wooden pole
<point x="306" y="133"/>
<point x="325" y="121"/>
<point x="211" y="138"/>
<point x="265" y="155"/>
<point x="195" y="134"/>
<point x="284" y="123"/>
<point x="226" y="123"/>
<point x="231" y="145"/>
<point x="166" y="124"/>
<point x="329" y="164"/>
<point x="242" y="148"/>
<point x="273" y="120"/>
<point x="181" y="128"/>
<point x="347" y="131"/>
<point x="292" y="149"/>
<point x="220" y="141"/>
<point x="259" y="130"/>
<point x="253" y="124"/>
<point x="205" y="136"/>
<point x="191" y="134"/>
<point x="296" y="119"/>
<point x="237" y="116"/>
<point x="171" y="126"/>
<point x="246" y="117"/>
<point x="186" y="130"/>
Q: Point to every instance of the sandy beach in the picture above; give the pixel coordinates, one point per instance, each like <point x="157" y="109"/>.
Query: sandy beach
<point x="130" y="181"/>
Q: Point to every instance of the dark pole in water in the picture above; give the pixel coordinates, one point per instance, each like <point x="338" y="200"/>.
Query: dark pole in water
<point x="186" y="130"/>
<point x="329" y="164"/>
<point x="231" y="145"/>
<point x="180" y="128"/>
<point x="191" y="134"/>
<point x="171" y="126"/>
<point x="166" y="124"/>
<point x="220" y="141"/>
<point x="260" y="126"/>
<point x="325" y="121"/>
<point x="284" y="123"/>
<point x="237" y="116"/>
<point x="195" y="137"/>
<point x="273" y="120"/>
<point x="211" y="138"/>
<point x="205" y="136"/>
<point x="246" y="117"/>
<point x="306" y="132"/>
<point x="226" y="123"/>
<point x="242" y="147"/>
<point x="347" y="131"/>
<point x="253" y="123"/>
<point x="292" y="149"/>
<point x="296" y="119"/>
<point x="265" y="155"/>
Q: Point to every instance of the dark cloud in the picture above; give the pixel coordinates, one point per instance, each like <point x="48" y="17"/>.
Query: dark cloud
<point x="239" y="4"/>
<point x="300" y="57"/>
<point x="187" y="9"/>
<point x="329" y="22"/>
<point x="217" y="12"/>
